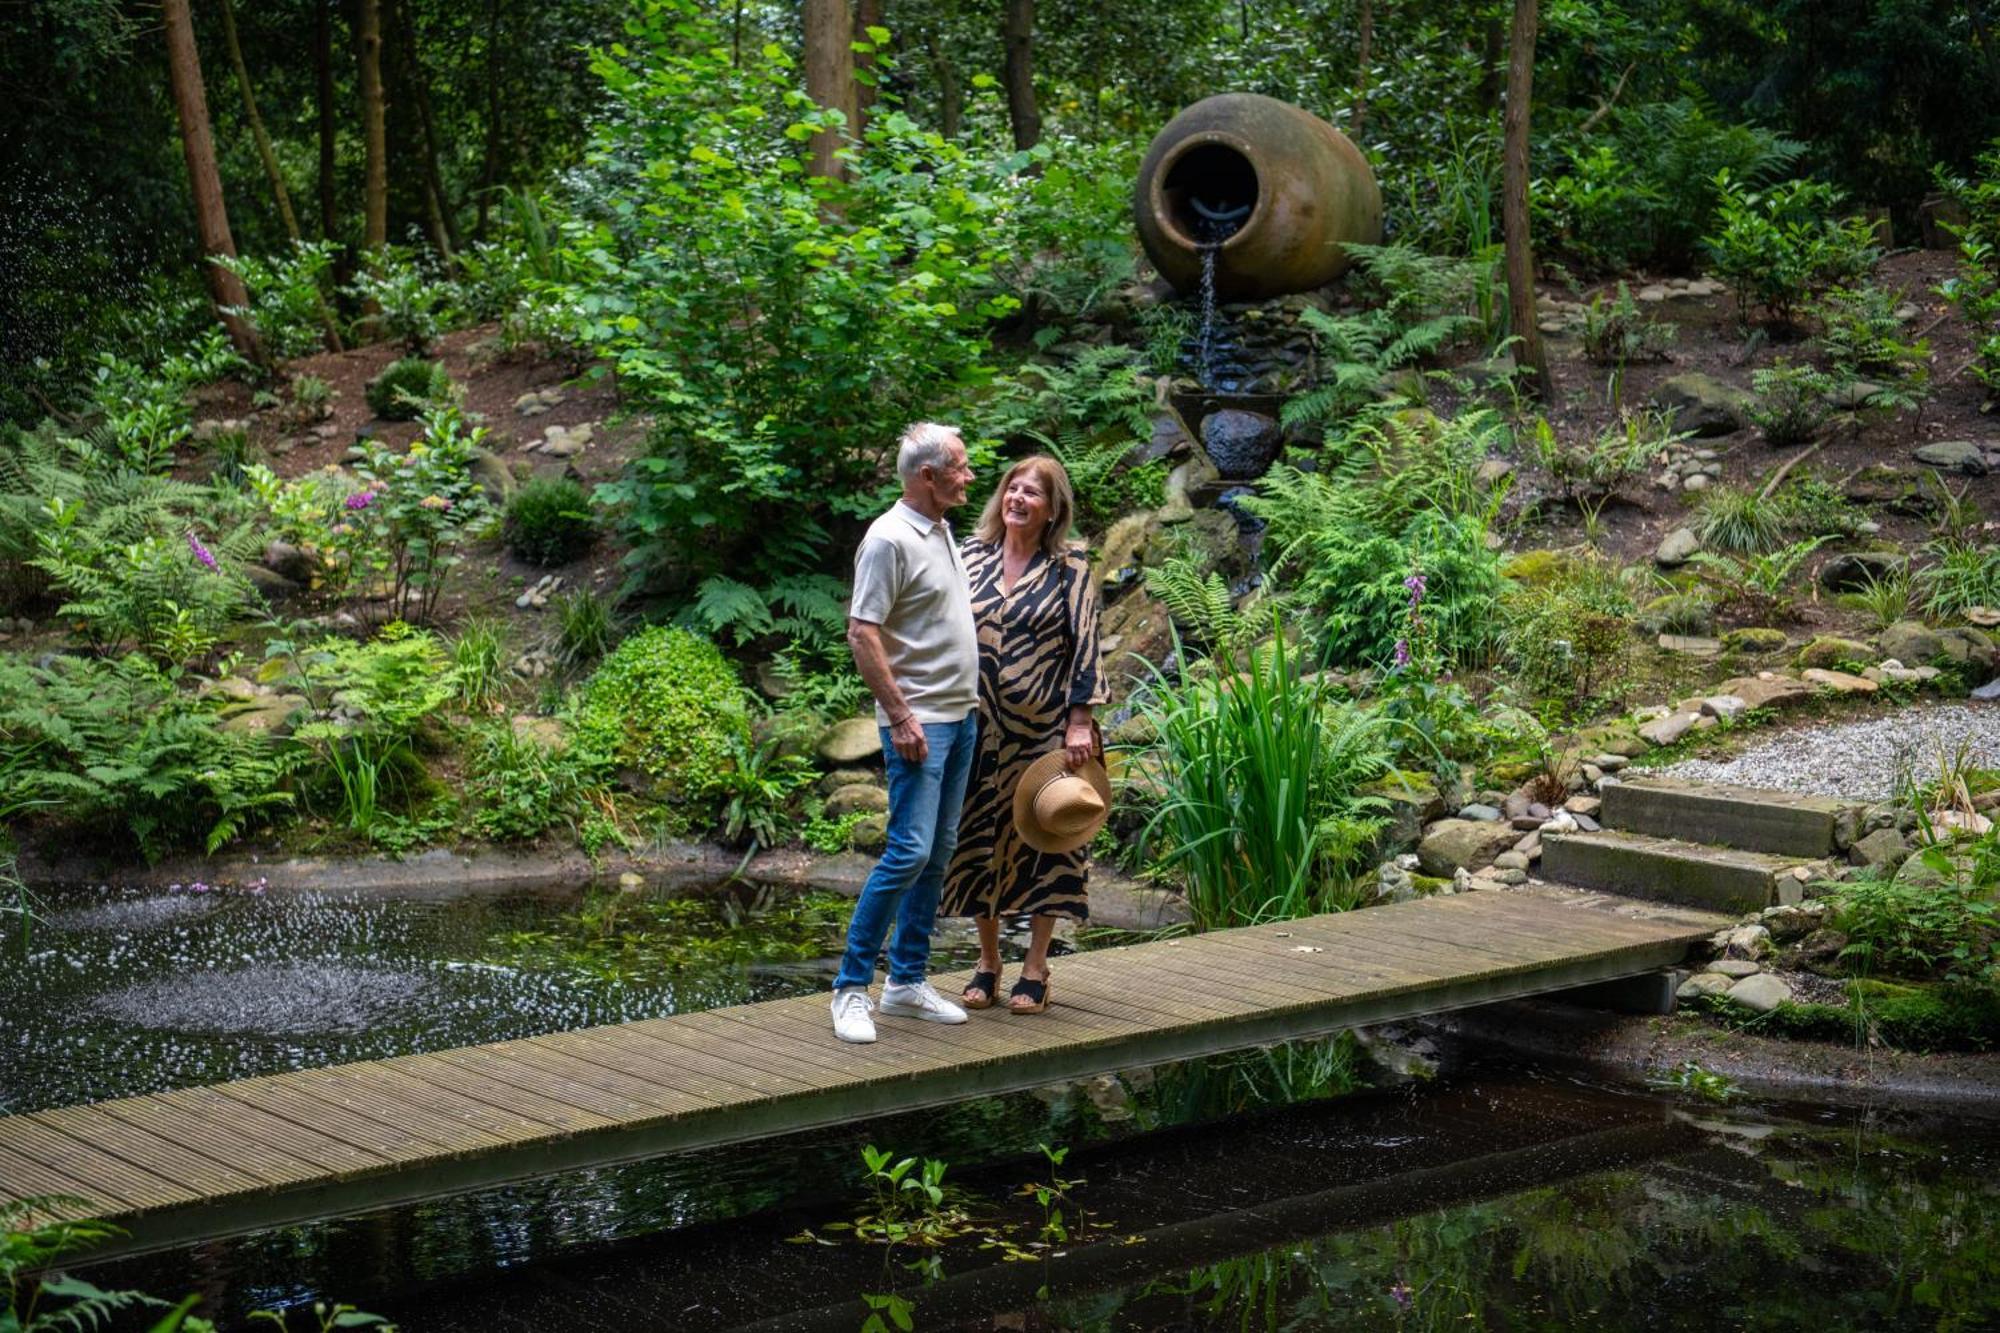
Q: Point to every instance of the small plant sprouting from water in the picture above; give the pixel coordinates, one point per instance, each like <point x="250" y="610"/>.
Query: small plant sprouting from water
<point x="328" y="1317"/>
<point x="1052" y="1194"/>
<point x="1703" y="1083"/>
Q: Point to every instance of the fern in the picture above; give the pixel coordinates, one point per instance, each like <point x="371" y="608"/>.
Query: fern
<point x="808" y="608"/>
<point x="723" y="605"/>
<point x="1098" y="391"/>
<point x="1357" y="352"/>
<point x="1199" y="603"/>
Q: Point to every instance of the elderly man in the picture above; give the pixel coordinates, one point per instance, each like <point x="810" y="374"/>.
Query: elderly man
<point x="910" y="627"/>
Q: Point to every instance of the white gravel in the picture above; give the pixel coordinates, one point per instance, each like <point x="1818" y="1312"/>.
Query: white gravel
<point x="1860" y="760"/>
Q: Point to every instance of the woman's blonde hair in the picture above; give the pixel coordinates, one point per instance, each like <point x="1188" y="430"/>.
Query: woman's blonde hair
<point x="1062" y="503"/>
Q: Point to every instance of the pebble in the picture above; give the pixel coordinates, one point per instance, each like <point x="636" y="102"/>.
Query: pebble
<point x="1857" y="760"/>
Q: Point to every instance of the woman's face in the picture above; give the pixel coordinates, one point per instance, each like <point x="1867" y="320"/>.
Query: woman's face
<point x="1024" y="505"/>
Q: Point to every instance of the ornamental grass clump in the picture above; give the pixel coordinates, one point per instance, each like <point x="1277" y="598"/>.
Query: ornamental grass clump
<point x="1261" y="816"/>
<point x="549" y="522"/>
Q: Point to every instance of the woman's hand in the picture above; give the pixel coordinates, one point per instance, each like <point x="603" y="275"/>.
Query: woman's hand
<point x="1079" y="743"/>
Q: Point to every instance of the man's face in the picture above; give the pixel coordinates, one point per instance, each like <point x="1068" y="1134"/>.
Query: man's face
<point x="948" y="482"/>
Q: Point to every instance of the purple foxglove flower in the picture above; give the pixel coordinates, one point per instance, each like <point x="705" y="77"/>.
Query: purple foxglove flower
<point x="202" y="555"/>
<point x="1402" y="652"/>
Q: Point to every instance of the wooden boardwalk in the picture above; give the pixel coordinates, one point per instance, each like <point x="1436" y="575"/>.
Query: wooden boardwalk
<point x="196" y="1163"/>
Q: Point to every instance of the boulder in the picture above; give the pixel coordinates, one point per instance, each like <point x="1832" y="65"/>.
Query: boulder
<point x="857" y="797"/>
<point x="1703" y="983"/>
<point x="494" y="477"/>
<point x="273" y="586"/>
<point x="1452" y="844"/>
<point x="870" y="834"/>
<point x="1413" y="801"/>
<point x="1241" y="444"/>
<point x="1703" y="404"/>
<point x="1736" y="968"/>
<point x="1911" y="641"/>
<point x="1676" y="548"/>
<point x="1753" y="639"/>
<point x="1852" y="570"/>
<point x="1169" y="440"/>
<point x="1766" y="690"/>
<point x="290" y="562"/>
<point x="1883" y="847"/>
<point x="1972" y="647"/>
<point x="266" y="717"/>
<point x="846" y="777"/>
<point x="1840" y="682"/>
<point x="1666" y="730"/>
<point x="1884" y="485"/>
<point x="1963" y="456"/>
<point x="1122" y="554"/>
<point x="853" y="741"/>
<point x="1190" y="485"/>
<point x="1829" y="650"/>
<point x="1723" y="707"/>
<point x="1536" y="566"/>
<point x="1761" y="993"/>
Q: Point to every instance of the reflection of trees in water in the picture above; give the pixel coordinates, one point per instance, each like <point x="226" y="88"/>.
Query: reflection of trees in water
<point x="1816" y="1231"/>
<point x="1281" y="1075"/>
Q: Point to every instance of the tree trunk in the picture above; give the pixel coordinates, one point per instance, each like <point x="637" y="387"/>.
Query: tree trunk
<point x="1490" y="52"/>
<point x="951" y="92"/>
<point x="830" y="78"/>
<point x="374" y="127"/>
<point x="437" y="204"/>
<point x="323" y="82"/>
<point x="1514" y="197"/>
<point x="867" y="68"/>
<point x="1022" y="113"/>
<point x="1363" y="53"/>
<point x="211" y="216"/>
<point x="489" y="169"/>
<point x="263" y="140"/>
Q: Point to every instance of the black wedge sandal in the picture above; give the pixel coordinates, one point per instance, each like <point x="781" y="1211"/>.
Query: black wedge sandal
<point x="983" y="985"/>
<point x="1033" y="991"/>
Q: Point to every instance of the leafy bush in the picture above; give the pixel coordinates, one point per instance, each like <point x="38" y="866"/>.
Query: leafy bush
<point x="1791" y="403"/>
<point x="549" y="522"/>
<point x="1738" y="522"/>
<point x="781" y="328"/>
<point x="1097" y="395"/>
<point x="585" y="627"/>
<point x="1260" y="814"/>
<point x="407" y="294"/>
<point x="1199" y="603"/>
<point x="290" y="295"/>
<point x="1569" y="641"/>
<point x="1959" y="576"/>
<point x="520" y="788"/>
<point x="1620" y="332"/>
<point x="414" y="510"/>
<point x="1106" y="485"/>
<point x="406" y="388"/>
<point x="1781" y="247"/>
<point x="1600" y="467"/>
<point x="1760" y="583"/>
<point x="1950" y="928"/>
<point x="110" y="743"/>
<point x="143" y="409"/>
<point x="1862" y="336"/>
<point x="667" y="704"/>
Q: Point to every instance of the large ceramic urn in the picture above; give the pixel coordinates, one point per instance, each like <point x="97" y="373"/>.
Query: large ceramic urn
<point x="1276" y="191"/>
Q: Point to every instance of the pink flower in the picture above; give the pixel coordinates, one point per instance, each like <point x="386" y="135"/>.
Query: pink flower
<point x="202" y="555"/>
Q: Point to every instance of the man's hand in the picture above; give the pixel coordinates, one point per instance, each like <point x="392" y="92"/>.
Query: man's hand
<point x="909" y="739"/>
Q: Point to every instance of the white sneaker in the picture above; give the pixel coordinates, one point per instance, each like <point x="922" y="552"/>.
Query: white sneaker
<point x="920" y="1001"/>
<point x="850" y="1015"/>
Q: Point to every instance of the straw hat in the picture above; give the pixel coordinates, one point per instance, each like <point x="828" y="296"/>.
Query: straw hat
<point x="1059" y="809"/>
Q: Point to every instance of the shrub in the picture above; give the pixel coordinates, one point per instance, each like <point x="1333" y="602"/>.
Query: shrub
<point x="1598" y="468"/>
<point x="585" y="627"/>
<point x="1975" y="289"/>
<point x="290" y="295"/>
<point x="1862" y="336"/>
<point x="1781" y="247"/>
<point x="414" y="510"/>
<point x="1738" y="522"/>
<point x="1791" y="403"/>
<point x="1352" y="585"/>
<point x="1569" y="641"/>
<point x="312" y="397"/>
<point x="407" y="387"/>
<point x="521" y="788"/>
<point x="549" y="522"/>
<point x="1960" y="576"/>
<point x="1950" y="928"/>
<point x="667" y="704"/>
<point x="1620" y="332"/>
<point x="407" y="294"/>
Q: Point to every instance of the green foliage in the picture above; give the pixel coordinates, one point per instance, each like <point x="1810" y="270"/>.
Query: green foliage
<point x="1758" y="583"/>
<point x="1812" y="506"/>
<point x="519" y="788"/>
<point x="617" y="935"/>
<point x="109" y="743"/>
<point x="478" y="655"/>
<point x="812" y="607"/>
<point x="1791" y="403"/>
<point x="1779" y="248"/>
<point x="416" y="510"/>
<point x="1569" y="641"/>
<point x="1959" y="576"/>
<point x="1888" y="598"/>
<point x="1703" y="1083"/>
<point x="408" y="295"/>
<point x="1597" y="468"/>
<point x="1069" y="243"/>
<point x="585" y="627"/>
<point x="1739" y="522"/>
<point x="408" y="388"/>
<point x="756" y="311"/>
<point x="1095" y="394"/>
<point x="1200" y="604"/>
<point x="1862" y="337"/>
<point x="1974" y="291"/>
<point x="758" y="789"/>
<point x="1620" y="332"/>
<point x="290" y="295"/>
<point x="549" y="522"/>
<point x="1260" y="814"/>
<point x="142" y="407"/>
<point x="1105" y="486"/>
<point x="666" y="703"/>
<point x="1949" y="928"/>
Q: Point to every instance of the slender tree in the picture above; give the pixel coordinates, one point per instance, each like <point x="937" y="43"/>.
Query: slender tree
<point x="323" y="89"/>
<point x="951" y="90"/>
<point x="1514" y="196"/>
<point x="374" y="127"/>
<point x="867" y="14"/>
<point x="211" y="215"/>
<point x="829" y="32"/>
<point x="1022" y="112"/>
<point x="1363" y="53"/>
<point x="489" y="167"/>
<point x="263" y="140"/>
<point x="415" y="80"/>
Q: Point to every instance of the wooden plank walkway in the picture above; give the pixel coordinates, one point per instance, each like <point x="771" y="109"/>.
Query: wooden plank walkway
<point x="196" y="1163"/>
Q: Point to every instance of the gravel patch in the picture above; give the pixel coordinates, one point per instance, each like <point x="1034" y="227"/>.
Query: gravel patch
<point x="1858" y="760"/>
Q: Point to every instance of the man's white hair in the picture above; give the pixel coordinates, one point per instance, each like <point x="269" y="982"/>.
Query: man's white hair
<point x="926" y="444"/>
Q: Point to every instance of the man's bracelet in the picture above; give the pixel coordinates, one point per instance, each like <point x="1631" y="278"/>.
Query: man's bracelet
<point x="899" y="721"/>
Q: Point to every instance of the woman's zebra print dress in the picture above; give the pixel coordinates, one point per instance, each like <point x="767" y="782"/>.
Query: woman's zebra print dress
<point x="1038" y="656"/>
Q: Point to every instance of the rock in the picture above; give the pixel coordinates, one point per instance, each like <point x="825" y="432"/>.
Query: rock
<point x="846" y="777"/>
<point x="1746" y="942"/>
<point x="1676" y="548"/>
<point x="1122" y="554"/>
<point x="1829" y="651"/>
<point x="266" y="717"/>
<point x="291" y="562"/>
<point x="1753" y="639"/>
<point x="271" y="585"/>
<point x="1651" y="292"/>
<point x="494" y="477"/>
<point x="1840" y="682"/>
<point x="1585" y="806"/>
<point x="1485" y="814"/>
<point x="1963" y="456"/>
<point x="1766" y="690"/>
<point x="1968" y="646"/>
<point x="1666" y="730"/>
<point x="1689" y="645"/>
<point x="1697" y="481"/>
<point x="1790" y="923"/>
<point x="1189" y="485"/>
<point x="1911" y="641"/>
<point x="1562" y="821"/>
<point x="853" y="741"/>
<point x="870" y="834"/>
<point x="1511" y="877"/>
<point x="1724" y="707"/>
<point x="1703" y="404"/>
<point x="1454" y="844"/>
<point x="1510" y="860"/>
<point x="1413" y="801"/>
<point x="1853" y="570"/>
<point x="1986" y="693"/>
<point x="1885" y="847"/>
<point x="864" y="797"/>
<point x="1703" y="983"/>
<point x="1761" y="993"/>
<point x="1736" y="968"/>
<point x="1241" y="444"/>
<point x="1169" y="440"/>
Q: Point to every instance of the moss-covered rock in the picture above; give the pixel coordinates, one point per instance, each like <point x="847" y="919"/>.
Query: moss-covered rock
<point x="1678" y="613"/>
<point x="666" y="704"/>
<point x="1753" y="639"/>
<point x="1829" y="651"/>
<point x="1537" y="567"/>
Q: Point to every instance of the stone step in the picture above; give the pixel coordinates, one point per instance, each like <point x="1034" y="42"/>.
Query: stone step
<point x="1721" y="879"/>
<point x="1747" y="818"/>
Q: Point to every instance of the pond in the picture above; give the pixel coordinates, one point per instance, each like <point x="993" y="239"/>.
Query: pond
<point x="1493" y="1197"/>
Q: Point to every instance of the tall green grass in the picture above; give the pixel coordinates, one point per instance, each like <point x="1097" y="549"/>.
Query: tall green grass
<point x="1258" y="774"/>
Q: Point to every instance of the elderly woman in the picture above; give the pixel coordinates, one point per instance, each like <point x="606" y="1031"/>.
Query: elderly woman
<point x="1036" y="613"/>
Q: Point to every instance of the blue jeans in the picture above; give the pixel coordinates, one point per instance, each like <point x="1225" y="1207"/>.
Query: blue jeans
<point x="924" y="800"/>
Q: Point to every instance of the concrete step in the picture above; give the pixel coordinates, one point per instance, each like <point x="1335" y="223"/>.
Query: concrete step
<point x="1721" y="879"/>
<point x="1747" y="818"/>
